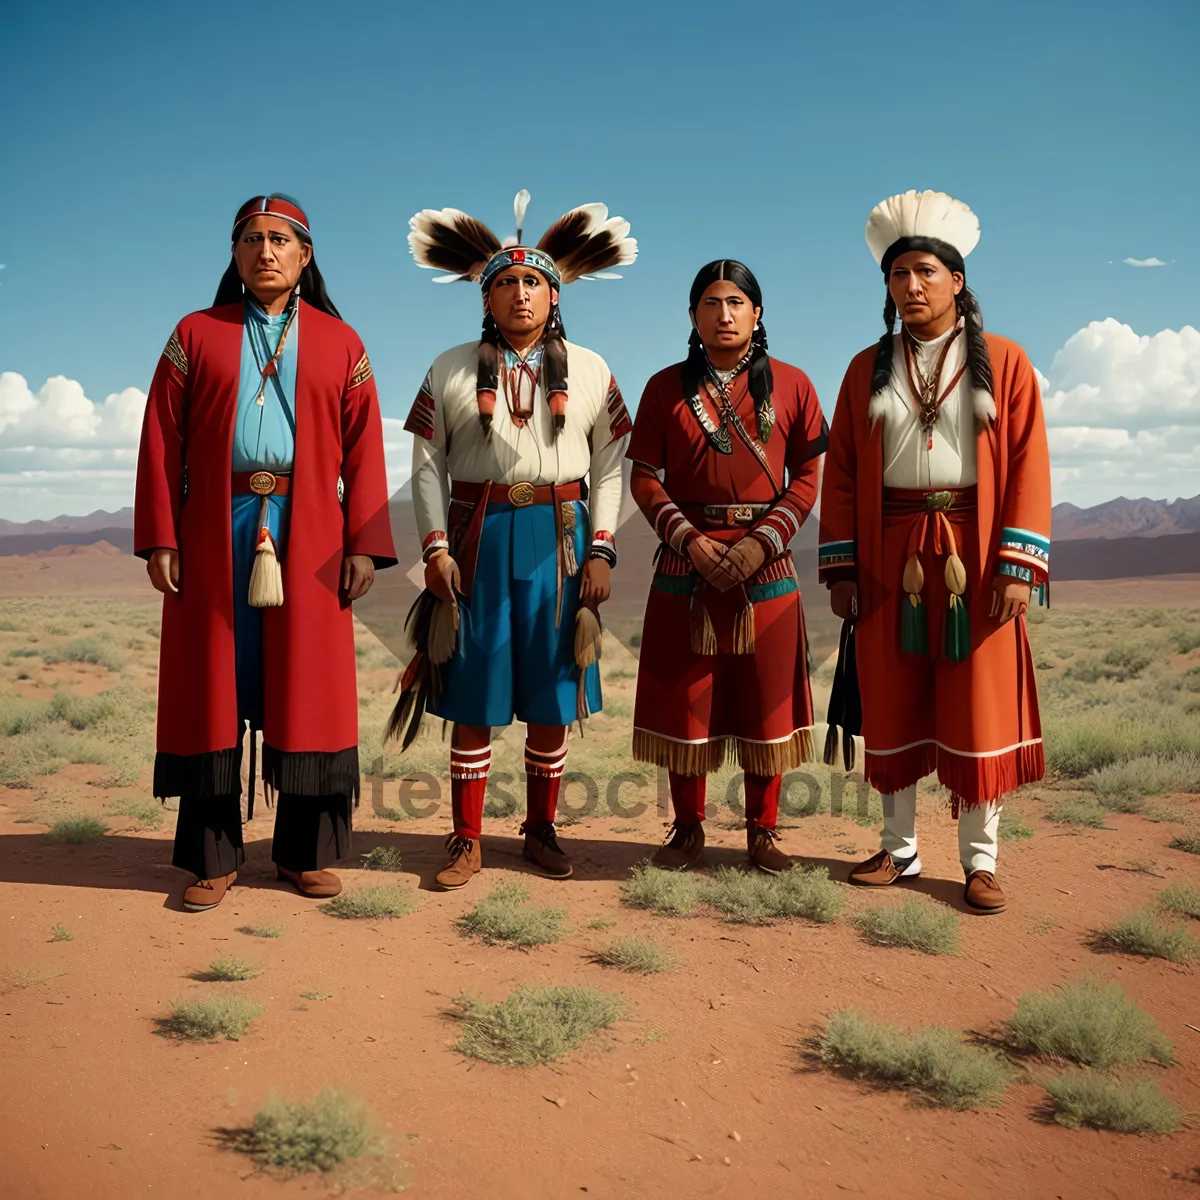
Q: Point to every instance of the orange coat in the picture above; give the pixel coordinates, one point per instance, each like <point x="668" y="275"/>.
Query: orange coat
<point x="974" y="722"/>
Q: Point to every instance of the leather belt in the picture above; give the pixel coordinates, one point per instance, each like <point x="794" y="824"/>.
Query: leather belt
<point x="519" y="495"/>
<point x="260" y="483"/>
<point x="725" y="515"/>
<point x="907" y="502"/>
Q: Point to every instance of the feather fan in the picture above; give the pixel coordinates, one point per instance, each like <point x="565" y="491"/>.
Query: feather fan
<point x="587" y="240"/>
<point x="449" y="240"/>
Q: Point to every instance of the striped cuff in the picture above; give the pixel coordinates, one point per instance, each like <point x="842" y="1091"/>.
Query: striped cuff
<point x="836" y="554"/>
<point x="1015" y="571"/>
<point x="673" y="527"/>
<point x="434" y="542"/>
<point x="1024" y="548"/>
<point x="604" y="546"/>
<point x="778" y="528"/>
<point x="470" y="764"/>
<point x="548" y="764"/>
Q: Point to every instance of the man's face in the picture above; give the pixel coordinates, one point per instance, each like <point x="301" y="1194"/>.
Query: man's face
<point x="725" y="317"/>
<point x="923" y="288"/>
<point x="270" y="256"/>
<point x="519" y="299"/>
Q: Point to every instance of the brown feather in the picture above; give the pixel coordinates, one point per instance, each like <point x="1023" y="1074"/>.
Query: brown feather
<point x="571" y="230"/>
<point x="451" y="241"/>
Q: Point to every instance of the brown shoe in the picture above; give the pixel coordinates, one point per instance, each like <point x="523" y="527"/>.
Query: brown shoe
<point x="542" y="848"/>
<point x="683" y="847"/>
<point x="466" y="861"/>
<point x="207" y="893"/>
<point x="983" y="893"/>
<point x="883" y="869"/>
<point x="760" y="845"/>
<point x="316" y="885"/>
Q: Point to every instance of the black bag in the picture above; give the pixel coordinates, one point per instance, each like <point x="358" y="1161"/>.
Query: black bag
<point x="845" y="704"/>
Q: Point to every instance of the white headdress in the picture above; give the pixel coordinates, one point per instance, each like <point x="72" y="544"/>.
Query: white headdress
<point x="916" y="214"/>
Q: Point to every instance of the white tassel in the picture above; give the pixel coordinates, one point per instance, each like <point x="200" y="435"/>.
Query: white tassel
<point x="266" y="579"/>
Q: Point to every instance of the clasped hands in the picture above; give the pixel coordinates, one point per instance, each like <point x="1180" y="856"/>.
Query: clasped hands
<point x="1010" y="598"/>
<point x="444" y="580"/>
<point x="725" y="565"/>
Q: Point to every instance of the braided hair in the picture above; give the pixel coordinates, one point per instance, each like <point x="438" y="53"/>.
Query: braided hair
<point x="554" y="367"/>
<point x="978" y="361"/>
<point x="696" y="366"/>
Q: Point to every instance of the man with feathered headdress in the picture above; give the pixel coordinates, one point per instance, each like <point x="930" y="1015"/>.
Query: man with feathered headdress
<point x="505" y="430"/>
<point x="261" y="510"/>
<point x="935" y="528"/>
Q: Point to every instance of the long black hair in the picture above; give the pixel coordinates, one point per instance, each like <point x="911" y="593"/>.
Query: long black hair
<point x="231" y="290"/>
<point x="965" y="304"/>
<point x="695" y="368"/>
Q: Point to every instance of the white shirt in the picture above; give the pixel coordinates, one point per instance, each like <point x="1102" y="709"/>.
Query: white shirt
<point x="531" y="453"/>
<point x="909" y="461"/>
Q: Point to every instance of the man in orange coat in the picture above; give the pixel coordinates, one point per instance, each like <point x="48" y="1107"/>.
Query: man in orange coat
<point x="935" y="524"/>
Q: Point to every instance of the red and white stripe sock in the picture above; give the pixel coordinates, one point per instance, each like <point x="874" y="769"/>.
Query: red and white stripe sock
<point x="543" y="778"/>
<point x="468" y="785"/>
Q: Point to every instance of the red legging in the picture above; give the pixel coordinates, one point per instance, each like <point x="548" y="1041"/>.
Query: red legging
<point x="762" y="798"/>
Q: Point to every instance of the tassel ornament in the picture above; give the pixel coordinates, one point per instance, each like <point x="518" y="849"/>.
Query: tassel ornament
<point x="743" y="629"/>
<point x="914" y="576"/>
<point x="266" y="577"/>
<point x="956" y="575"/>
<point x="914" y="628"/>
<point x="703" y="635"/>
<point x="588" y="637"/>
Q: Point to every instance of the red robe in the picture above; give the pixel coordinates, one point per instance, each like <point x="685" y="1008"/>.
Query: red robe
<point x="308" y="642"/>
<point x="693" y="708"/>
<point x="974" y="722"/>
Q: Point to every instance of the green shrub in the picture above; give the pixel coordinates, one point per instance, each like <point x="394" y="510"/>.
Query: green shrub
<point x="382" y="858"/>
<point x="1078" y="742"/>
<point x="82" y="712"/>
<point x="503" y="918"/>
<point x="147" y="813"/>
<point x="1189" y="843"/>
<point x="639" y="956"/>
<point x="1083" y="1098"/>
<point x="18" y="715"/>
<point x="231" y="970"/>
<point x="1181" y="899"/>
<point x="1147" y="775"/>
<point x="1086" y="1022"/>
<point x="1143" y="933"/>
<point x="261" y="931"/>
<point x="94" y="651"/>
<point x="60" y="933"/>
<point x="1077" y="810"/>
<point x="753" y="898"/>
<point x="77" y="830"/>
<point x="535" y="1024"/>
<point x="301" y="1137"/>
<point x="916" y="924"/>
<point x="1012" y="828"/>
<point x="372" y="903"/>
<point x="675" y="893"/>
<point x="936" y="1064"/>
<point x="205" y="1020"/>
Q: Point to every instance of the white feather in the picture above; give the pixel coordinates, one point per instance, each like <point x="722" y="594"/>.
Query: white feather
<point x="922" y="214"/>
<point x="508" y="243"/>
<point x="449" y="278"/>
<point x="520" y="205"/>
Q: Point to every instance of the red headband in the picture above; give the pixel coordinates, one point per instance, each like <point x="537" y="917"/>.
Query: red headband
<point x="272" y="206"/>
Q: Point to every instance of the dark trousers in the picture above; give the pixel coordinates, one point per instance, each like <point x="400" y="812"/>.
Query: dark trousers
<point x="311" y="833"/>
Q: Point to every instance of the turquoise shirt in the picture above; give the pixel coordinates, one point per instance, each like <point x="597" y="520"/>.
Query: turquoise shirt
<point x="263" y="437"/>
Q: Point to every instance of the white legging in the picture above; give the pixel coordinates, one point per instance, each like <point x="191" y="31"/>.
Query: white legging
<point x="977" y="829"/>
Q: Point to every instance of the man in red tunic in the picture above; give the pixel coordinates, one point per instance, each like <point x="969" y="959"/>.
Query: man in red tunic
<point x="935" y="527"/>
<point x="266" y="388"/>
<point x="725" y="448"/>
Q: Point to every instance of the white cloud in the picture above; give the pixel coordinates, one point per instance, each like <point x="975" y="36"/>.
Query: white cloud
<point x="1123" y="413"/>
<point x="1143" y="262"/>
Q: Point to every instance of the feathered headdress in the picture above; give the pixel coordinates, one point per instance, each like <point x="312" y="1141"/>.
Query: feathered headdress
<point x="912" y="217"/>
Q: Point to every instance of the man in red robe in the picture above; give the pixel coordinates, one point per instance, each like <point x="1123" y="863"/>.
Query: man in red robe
<point x="935" y="526"/>
<point x="267" y="388"/>
<point x="725" y="449"/>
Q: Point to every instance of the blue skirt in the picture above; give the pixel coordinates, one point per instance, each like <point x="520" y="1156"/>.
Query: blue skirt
<point x="511" y="660"/>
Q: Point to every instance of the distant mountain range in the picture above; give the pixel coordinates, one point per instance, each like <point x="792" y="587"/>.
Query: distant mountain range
<point x="1117" y="539"/>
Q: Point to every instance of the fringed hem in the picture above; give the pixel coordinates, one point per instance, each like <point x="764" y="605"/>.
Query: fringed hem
<point x="888" y="773"/>
<point x="312" y="772"/>
<point x="976" y="781"/>
<point x="774" y="758"/>
<point x="214" y="773"/>
<point x="703" y="758"/>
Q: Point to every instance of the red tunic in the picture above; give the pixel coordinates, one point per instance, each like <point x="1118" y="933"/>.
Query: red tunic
<point x="308" y="642"/>
<point x="692" y="707"/>
<point x="975" y="722"/>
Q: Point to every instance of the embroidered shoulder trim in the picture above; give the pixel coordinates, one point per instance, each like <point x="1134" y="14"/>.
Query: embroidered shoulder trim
<point x="421" y="416"/>
<point x="173" y="353"/>
<point x="362" y="372"/>
<point x="619" y="423"/>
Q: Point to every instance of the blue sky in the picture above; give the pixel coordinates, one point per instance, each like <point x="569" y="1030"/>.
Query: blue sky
<point x="131" y="132"/>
